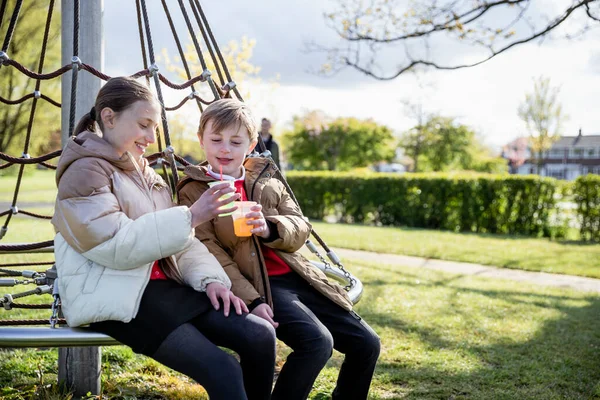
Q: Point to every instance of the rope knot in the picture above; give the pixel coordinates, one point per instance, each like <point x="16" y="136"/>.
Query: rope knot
<point x="265" y="154"/>
<point x="3" y="231"/>
<point x="169" y="150"/>
<point x="37" y="94"/>
<point x="206" y="74"/>
<point x="76" y="62"/>
<point x="25" y="155"/>
<point x="229" y="86"/>
<point x="152" y="70"/>
<point x="15" y="210"/>
<point x="7" y="301"/>
<point x="193" y="95"/>
<point x="3" y="58"/>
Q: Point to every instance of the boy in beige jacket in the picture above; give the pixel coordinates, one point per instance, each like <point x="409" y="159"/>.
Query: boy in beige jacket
<point x="311" y="314"/>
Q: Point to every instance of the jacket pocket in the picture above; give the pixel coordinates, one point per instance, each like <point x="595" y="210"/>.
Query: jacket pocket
<point x="93" y="277"/>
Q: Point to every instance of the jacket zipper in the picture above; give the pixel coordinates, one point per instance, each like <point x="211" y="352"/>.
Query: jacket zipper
<point x="256" y="181"/>
<point x="148" y="193"/>
<point x="142" y="181"/>
<point x="257" y="248"/>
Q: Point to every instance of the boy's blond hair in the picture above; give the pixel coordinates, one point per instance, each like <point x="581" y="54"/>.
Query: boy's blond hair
<point x="227" y="112"/>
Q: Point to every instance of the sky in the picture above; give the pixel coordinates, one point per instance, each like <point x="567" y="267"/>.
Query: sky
<point x="485" y="97"/>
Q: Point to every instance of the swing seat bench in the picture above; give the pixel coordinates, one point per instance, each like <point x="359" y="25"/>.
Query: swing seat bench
<point x="20" y="337"/>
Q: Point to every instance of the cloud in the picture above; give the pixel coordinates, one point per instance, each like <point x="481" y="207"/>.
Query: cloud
<point x="594" y="63"/>
<point x="485" y="97"/>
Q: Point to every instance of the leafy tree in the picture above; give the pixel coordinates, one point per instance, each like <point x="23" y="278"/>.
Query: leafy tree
<point x="25" y="47"/>
<point x="316" y="142"/>
<point x="183" y="139"/>
<point x="444" y="145"/>
<point x="237" y="56"/>
<point x="412" y="142"/>
<point x="543" y="115"/>
<point x="413" y="31"/>
<point x="482" y="160"/>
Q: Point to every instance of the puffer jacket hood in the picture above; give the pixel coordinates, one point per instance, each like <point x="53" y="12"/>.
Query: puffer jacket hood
<point x="253" y="166"/>
<point x="89" y="144"/>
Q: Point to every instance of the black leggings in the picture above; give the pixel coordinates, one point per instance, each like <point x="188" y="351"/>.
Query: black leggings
<point x="312" y="325"/>
<point x="192" y="350"/>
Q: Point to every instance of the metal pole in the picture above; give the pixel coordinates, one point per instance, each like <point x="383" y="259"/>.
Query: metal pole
<point x="79" y="367"/>
<point x="91" y="51"/>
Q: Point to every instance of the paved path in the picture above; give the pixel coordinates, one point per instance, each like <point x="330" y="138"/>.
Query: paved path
<point x="537" y="278"/>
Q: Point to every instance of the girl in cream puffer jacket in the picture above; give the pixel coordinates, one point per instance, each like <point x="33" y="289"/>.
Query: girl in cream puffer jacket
<point x="128" y="262"/>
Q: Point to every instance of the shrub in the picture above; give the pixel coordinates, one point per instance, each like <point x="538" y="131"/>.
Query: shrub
<point x="458" y="202"/>
<point x="586" y="191"/>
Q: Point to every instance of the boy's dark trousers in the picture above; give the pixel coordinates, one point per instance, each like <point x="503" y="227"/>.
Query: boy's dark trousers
<point x="312" y="325"/>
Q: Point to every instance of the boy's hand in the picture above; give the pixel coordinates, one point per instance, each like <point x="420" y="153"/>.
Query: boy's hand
<point x="258" y="221"/>
<point x="265" y="312"/>
<point x="216" y="290"/>
<point x="207" y="205"/>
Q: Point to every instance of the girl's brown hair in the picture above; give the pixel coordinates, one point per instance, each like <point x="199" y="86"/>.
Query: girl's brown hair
<point x="117" y="94"/>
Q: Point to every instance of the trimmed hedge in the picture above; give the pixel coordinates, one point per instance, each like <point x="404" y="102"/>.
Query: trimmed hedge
<point x="586" y="191"/>
<point x="459" y="202"/>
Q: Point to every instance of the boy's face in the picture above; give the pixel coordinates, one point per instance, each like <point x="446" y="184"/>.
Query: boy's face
<point x="227" y="148"/>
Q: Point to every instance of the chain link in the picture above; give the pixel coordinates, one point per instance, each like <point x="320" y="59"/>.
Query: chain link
<point x="351" y="280"/>
<point x="55" y="306"/>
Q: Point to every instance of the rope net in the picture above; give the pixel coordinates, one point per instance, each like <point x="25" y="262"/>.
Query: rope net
<point x="218" y="84"/>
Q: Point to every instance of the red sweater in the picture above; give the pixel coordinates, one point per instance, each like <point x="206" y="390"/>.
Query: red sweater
<point x="275" y="265"/>
<point x="157" y="272"/>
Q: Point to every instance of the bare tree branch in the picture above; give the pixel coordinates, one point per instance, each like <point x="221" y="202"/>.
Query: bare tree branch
<point x="368" y="30"/>
<point x="437" y="27"/>
<point x="589" y="13"/>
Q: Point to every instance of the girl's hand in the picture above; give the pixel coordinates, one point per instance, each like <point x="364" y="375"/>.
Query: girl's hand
<point x="207" y="206"/>
<point x="216" y="291"/>
<point x="265" y="312"/>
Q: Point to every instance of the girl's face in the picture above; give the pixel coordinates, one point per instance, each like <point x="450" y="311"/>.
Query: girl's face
<point x="227" y="149"/>
<point x="133" y="129"/>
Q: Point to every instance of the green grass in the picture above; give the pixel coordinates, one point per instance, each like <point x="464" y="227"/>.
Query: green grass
<point x="516" y="252"/>
<point x="533" y="254"/>
<point x="36" y="186"/>
<point x="444" y="336"/>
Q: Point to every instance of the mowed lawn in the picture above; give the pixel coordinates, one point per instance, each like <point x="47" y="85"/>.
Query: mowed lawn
<point x="518" y="252"/>
<point x="534" y="254"/>
<point x="443" y="336"/>
<point x="36" y="186"/>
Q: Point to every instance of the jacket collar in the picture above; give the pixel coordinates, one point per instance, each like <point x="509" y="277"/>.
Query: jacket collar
<point x="253" y="166"/>
<point x="89" y="144"/>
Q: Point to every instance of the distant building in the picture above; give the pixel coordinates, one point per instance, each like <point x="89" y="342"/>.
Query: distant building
<point x="568" y="158"/>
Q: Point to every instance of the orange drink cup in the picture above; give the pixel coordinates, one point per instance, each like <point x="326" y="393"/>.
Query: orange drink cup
<point x="240" y="222"/>
<point x="225" y="196"/>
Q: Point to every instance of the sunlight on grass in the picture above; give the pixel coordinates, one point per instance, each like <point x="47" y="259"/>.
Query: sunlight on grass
<point x="443" y="336"/>
<point x="502" y="251"/>
<point x="37" y="186"/>
<point x="23" y="229"/>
